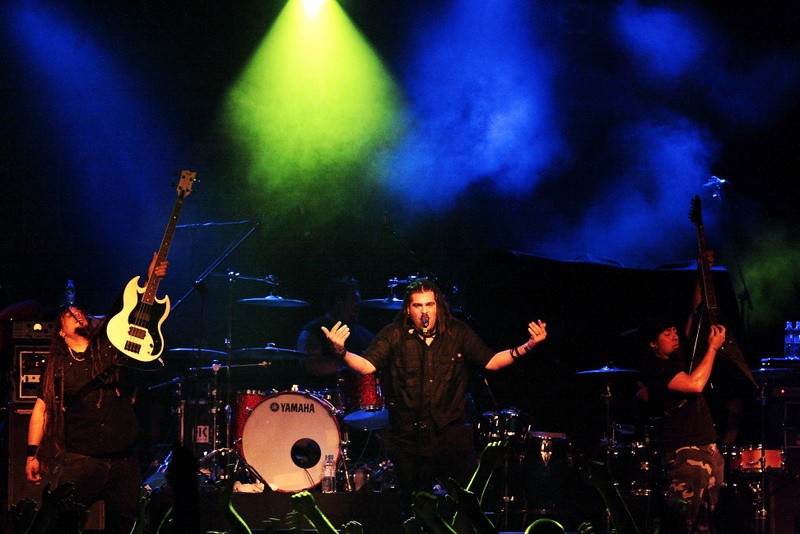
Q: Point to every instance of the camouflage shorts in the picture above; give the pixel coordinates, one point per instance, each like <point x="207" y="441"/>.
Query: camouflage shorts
<point x="696" y="476"/>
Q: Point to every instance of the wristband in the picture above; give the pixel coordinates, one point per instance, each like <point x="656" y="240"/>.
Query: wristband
<point x="31" y="450"/>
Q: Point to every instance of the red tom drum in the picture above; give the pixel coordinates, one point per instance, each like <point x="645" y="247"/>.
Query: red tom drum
<point x="364" y="403"/>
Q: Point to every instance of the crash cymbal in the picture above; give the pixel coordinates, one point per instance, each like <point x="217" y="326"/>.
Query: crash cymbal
<point x="606" y="370"/>
<point x="268" y="353"/>
<point x="274" y="301"/>
<point x="389" y="303"/>
<point x="194" y="352"/>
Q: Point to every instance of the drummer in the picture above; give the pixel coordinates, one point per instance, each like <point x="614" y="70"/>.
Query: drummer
<point x="321" y="365"/>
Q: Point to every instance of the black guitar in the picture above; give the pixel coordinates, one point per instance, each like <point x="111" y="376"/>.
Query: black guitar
<point x="136" y="330"/>
<point x="730" y="349"/>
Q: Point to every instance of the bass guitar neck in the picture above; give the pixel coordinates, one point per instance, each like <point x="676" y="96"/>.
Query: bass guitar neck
<point x="136" y="330"/>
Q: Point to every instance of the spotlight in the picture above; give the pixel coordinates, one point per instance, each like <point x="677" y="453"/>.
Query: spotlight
<point x="313" y="8"/>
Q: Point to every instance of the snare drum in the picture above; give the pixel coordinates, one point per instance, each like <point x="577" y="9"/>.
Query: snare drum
<point x="287" y="437"/>
<point x="756" y="459"/>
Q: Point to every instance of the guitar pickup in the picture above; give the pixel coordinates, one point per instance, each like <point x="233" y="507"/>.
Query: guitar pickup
<point x="130" y="346"/>
<point x="135" y="331"/>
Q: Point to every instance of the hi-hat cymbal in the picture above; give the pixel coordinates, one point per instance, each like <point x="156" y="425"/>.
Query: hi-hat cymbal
<point x="389" y="303"/>
<point x="606" y="370"/>
<point x="268" y="353"/>
<point x="194" y="352"/>
<point x="274" y="301"/>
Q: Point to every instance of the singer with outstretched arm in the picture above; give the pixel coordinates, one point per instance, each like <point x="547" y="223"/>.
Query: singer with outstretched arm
<point x="424" y="357"/>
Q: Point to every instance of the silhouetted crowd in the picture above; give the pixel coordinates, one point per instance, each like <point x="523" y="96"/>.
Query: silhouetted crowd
<point x="457" y="510"/>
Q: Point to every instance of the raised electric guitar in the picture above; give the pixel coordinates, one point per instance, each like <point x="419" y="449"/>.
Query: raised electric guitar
<point x="136" y="330"/>
<point x="730" y="349"/>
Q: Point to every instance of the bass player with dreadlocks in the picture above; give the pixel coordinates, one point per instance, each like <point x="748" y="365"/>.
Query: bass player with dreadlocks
<point x="83" y="425"/>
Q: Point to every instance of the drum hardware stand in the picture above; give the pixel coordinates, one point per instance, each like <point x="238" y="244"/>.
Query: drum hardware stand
<point x="608" y="442"/>
<point x="215" y="409"/>
<point x="760" y="488"/>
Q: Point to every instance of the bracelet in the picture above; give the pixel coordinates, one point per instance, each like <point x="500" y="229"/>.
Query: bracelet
<point x="514" y="353"/>
<point x="342" y="354"/>
<point x="31" y="450"/>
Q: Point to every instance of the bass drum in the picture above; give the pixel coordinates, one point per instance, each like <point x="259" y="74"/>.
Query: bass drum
<point x="287" y="437"/>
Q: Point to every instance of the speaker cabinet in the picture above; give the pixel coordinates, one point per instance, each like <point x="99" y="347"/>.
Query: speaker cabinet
<point x="18" y="486"/>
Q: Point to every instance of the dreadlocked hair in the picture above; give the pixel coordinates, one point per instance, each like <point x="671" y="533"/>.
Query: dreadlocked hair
<point x="58" y="360"/>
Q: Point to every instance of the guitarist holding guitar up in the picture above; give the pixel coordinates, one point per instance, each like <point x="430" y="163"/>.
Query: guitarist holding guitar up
<point x="685" y="431"/>
<point x="83" y="425"/>
<point x="675" y="384"/>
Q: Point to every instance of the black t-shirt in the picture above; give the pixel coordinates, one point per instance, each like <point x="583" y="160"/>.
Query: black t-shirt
<point x="102" y="421"/>
<point x="683" y="418"/>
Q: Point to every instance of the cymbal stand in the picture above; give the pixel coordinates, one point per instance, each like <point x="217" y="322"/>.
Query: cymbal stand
<point x="221" y="450"/>
<point x="200" y="287"/>
<point x="609" y="441"/>
<point x="761" y="519"/>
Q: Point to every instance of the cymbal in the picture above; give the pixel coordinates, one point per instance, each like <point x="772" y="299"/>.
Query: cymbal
<point x="623" y="429"/>
<point x="771" y="373"/>
<point x="268" y="353"/>
<point x="389" y="303"/>
<point x="606" y="370"/>
<point x="194" y="352"/>
<point x="274" y="301"/>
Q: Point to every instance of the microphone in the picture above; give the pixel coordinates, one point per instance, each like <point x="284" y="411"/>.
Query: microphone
<point x="425" y="322"/>
<point x="69" y="294"/>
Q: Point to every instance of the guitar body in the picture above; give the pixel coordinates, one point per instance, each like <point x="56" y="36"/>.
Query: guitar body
<point x="136" y="330"/>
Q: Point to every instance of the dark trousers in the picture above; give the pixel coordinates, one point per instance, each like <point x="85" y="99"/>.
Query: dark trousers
<point x="115" y="481"/>
<point x="439" y="456"/>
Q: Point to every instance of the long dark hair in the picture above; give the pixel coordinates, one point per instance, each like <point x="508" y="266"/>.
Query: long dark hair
<point x="422" y="285"/>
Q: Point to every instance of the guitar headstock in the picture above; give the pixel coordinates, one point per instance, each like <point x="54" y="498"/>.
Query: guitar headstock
<point x="187" y="179"/>
<point x="696" y="211"/>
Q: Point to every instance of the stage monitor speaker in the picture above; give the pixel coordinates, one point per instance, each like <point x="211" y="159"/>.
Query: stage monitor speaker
<point x="19" y="488"/>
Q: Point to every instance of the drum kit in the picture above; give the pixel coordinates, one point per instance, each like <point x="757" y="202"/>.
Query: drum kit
<point x="277" y="439"/>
